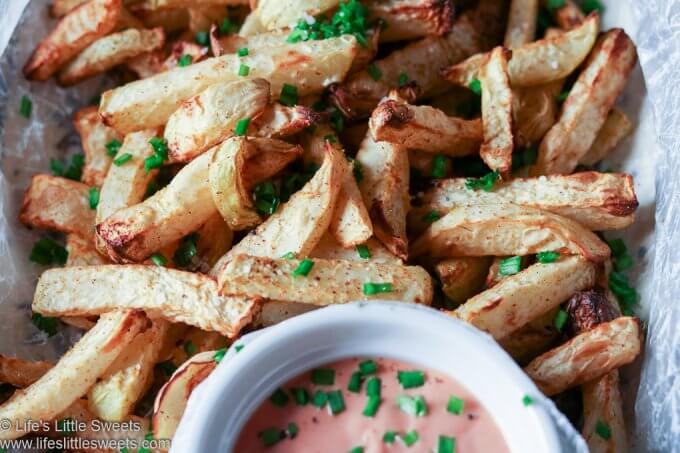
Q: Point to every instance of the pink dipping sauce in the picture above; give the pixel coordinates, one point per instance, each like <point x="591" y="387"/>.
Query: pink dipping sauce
<point x="320" y="431"/>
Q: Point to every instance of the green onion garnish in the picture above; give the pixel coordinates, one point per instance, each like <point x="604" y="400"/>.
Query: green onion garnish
<point x="184" y="60"/>
<point x="368" y="367"/>
<point x="414" y="406"/>
<point x="410" y="437"/>
<point x="320" y="398"/>
<point x="354" y="384"/>
<point x="123" y="158"/>
<point x="622" y="260"/>
<point x="588" y="6"/>
<point x="455" y="405"/>
<point x="238" y="347"/>
<point x="288" y="256"/>
<point x="374" y="72"/>
<point x="431" y="217"/>
<point x="160" y="154"/>
<point x="289" y="95"/>
<point x="411" y="379"/>
<point x="270" y="436"/>
<point x="46" y="324"/>
<point x="158" y="259"/>
<point x="242" y="127"/>
<point x="363" y="251"/>
<point x="25" y="107"/>
<point x="627" y="296"/>
<point x="438" y="169"/>
<point x="371" y="289"/>
<point x="112" y="147"/>
<point x="266" y="198"/>
<point x="300" y="395"/>
<point x="73" y="171"/>
<point x="228" y="27"/>
<point x="389" y="437"/>
<point x="190" y="348"/>
<point x="560" y="320"/>
<point x="202" y="38"/>
<point x="372" y="405"/>
<point x="374" y="386"/>
<point x="476" y="86"/>
<point x="446" y="444"/>
<point x="243" y="52"/>
<point x="527" y="400"/>
<point x="93" y="197"/>
<point x="45" y="251"/>
<point x="330" y="138"/>
<point x="323" y="376"/>
<point x="336" y="402"/>
<point x="485" y="183"/>
<point x="403" y="79"/>
<point x="510" y="266"/>
<point x="279" y="398"/>
<point x="547" y="257"/>
<point x="168" y="367"/>
<point x="303" y="268"/>
<point x="562" y="96"/>
<point x="555" y="4"/>
<point x="603" y="430"/>
<point x="357" y="171"/>
<point x="186" y="251"/>
<point x="357" y="450"/>
<point x="219" y="354"/>
<point x="243" y="70"/>
<point x="292" y="430"/>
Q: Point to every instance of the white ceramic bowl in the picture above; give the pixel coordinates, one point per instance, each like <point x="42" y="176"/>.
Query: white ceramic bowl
<point x="220" y="407"/>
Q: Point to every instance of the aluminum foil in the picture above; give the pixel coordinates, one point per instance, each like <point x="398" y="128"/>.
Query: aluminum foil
<point x="651" y="386"/>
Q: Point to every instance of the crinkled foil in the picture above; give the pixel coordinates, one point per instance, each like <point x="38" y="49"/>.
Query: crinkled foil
<point x="651" y="386"/>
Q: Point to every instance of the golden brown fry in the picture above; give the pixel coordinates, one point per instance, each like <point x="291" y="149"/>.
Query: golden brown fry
<point x="172" y="20"/>
<point x="521" y="27"/>
<point x="280" y="121"/>
<point x="585" y="110"/>
<point x="194" y="341"/>
<point x="214" y="240"/>
<point x="147" y="64"/>
<point x="328" y="248"/>
<point x="274" y="312"/>
<point x="529" y="341"/>
<point x="310" y="65"/>
<point x="251" y="25"/>
<point x="384" y="187"/>
<point x="602" y="404"/>
<point x="57" y="204"/>
<point x="327" y="283"/>
<point x="201" y="18"/>
<point x="179" y="50"/>
<point x="520" y="298"/>
<point x="275" y="14"/>
<point x="59" y="8"/>
<point x="534" y="112"/>
<point x="538" y="62"/>
<point x="94" y="136"/>
<point x="496" y="151"/>
<point x="587" y="356"/>
<point x="424" y="128"/>
<point x="462" y="278"/>
<point x="616" y="127"/>
<point x="411" y="19"/>
<point x="507" y="229"/>
<point x="75" y="373"/>
<point x="153" y="5"/>
<point x="210" y="117"/>
<point x="82" y="252"/>
<point x="598" y="201"/>
<point x="110" y="51"/>
<point x="176" y="296"/>
<point x="75" y="31"/>
<point x="22" y="373"/>
<point x="569" y="16"/>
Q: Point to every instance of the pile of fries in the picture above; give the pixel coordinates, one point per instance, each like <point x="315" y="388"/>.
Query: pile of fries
<point x="272" y="158"/>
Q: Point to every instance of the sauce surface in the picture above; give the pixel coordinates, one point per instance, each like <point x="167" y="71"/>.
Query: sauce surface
<point x="282" y="424"/>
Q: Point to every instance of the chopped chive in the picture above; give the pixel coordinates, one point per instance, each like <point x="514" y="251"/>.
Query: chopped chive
<point x="25" y="107"/>
<point x="626" y="295"/>
<point x="112" y="147"/>
<point x="403" y="79"/>
<point x="446" y="444"/>
<point x="476" y="86"/>
<point x="269" y="436"/>
<point x="389" y="437"/>
<point x="243" y="70"/>
<point x="228" y="27"/>
<point x="438" y="169"/>
<point x="288" y="256"/>
<point x="555" y="4"/>
<point x="527" y="400"/>
<point x="373" y="386"/>
<point x="158" y="259"/>
<point x="300" y="395"/>
<point x="354" y="384"/>
<point x="243" y="52"/>
<point x="292" y="430"/>
<point x="242" y="127"/>
<point x="363" y="251"/>
<point x="160" y="147"/>
<point x="190" y="348"/>
<point x="510" y="266"/>
<point x="73" y="171"/>
<point x="303" y="268"/>
<point x="93" y="197"/>
<point x="323" y="376"/>
<point x="330" y="138"/>
<point x="219" y="354"/>
<point x="623" y="263"/>
<point x="184" y="60"/>
<point x="202" y="38"/>
<point x="238" y="347"/>
<point x="374" y="72"/>
<point x="186" y="251"/>
<point x="279" y="398"/>
<point x="371" y="289"/>
<point x="357" y="171"/>
<point x="168" y="367"/>
<point x="431" y="217"/>
<point x="414" y="406"/>
<point x="455" y="405"/>
<point x="372" y="405"/>
<point x="411" y="379"/>
<point x="266" y="198"/>
<point x="603" y="430"/>
<point x="560" y="320"/>
<point x="289" y="95"/>
<point x="547" y="257"/>
<point x="357" y="450"/>
<point x="562" y="96"/>
<point x="46" y="251"/>
<point x="319" y="399"/>
<point x="368" y="367"/>
<point x="336" y="402"/>
<point x="485" y="183"/>
<point x="45" y="323"/>
<point x="410" y="437"/>
<point x="588" y="6"/>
